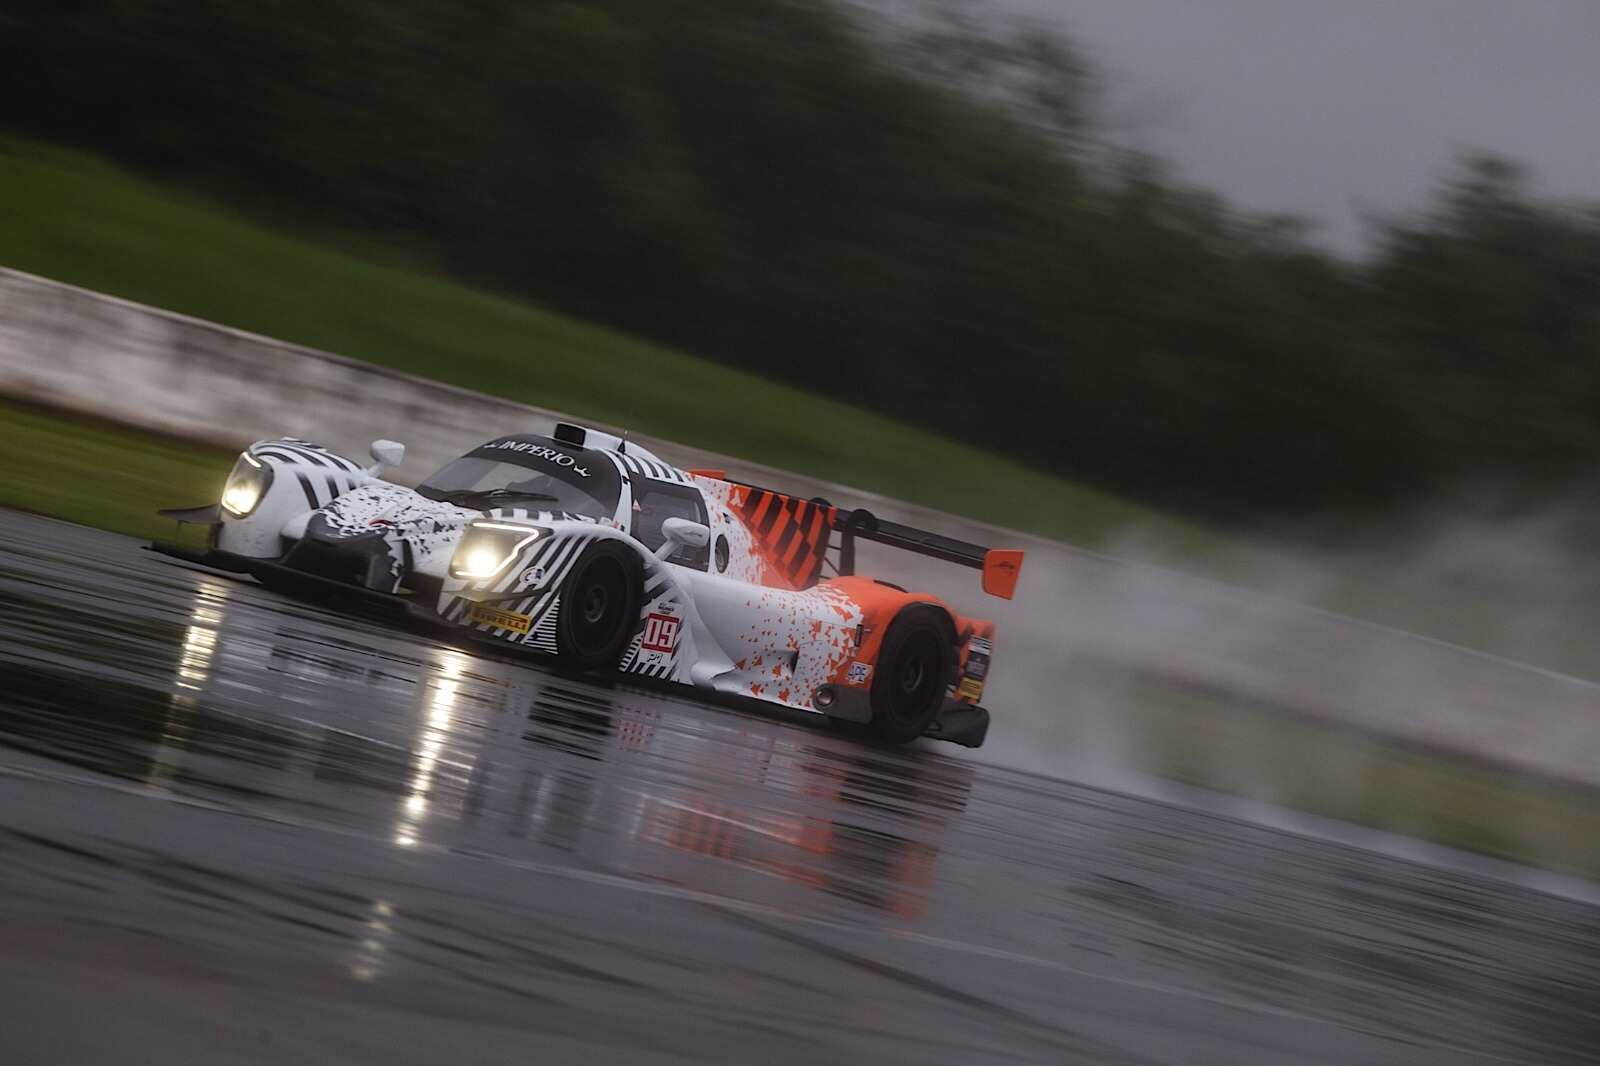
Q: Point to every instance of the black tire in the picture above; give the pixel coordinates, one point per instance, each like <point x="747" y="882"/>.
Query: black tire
<point x="599" y="606"/>
<point x="915" y="668"/>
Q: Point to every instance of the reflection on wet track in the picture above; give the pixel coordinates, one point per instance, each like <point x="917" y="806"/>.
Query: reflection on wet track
<point x="237" y="828"/>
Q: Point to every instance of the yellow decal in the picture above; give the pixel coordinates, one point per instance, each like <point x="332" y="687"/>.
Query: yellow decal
<point x="971" y="689"/>
<point x="489" y="616"/>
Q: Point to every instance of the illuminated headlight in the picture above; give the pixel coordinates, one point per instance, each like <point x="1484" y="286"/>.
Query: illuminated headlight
<point x="246" y="485"/>
<point x="487" y="548"/>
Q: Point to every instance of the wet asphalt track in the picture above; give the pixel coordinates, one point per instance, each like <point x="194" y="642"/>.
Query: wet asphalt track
<point x="236" y="828"/>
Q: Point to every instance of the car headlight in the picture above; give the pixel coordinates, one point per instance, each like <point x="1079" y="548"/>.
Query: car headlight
<point x="247" y="483"/>
<point x="487" y="548"/>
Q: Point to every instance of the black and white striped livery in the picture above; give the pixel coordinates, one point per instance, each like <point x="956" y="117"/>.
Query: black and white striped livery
<point x="291" y="450"/>
<point x="541" y="573"/>
<point x="654" y="469"/>
<point x="320" y="474"/>
<point x="662" y="599"/>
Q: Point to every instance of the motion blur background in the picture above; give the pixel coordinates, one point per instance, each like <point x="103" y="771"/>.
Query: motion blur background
<point x="943" y="213"/>
<point x="1269" y="328"/>
<point x="1300" y="299"/>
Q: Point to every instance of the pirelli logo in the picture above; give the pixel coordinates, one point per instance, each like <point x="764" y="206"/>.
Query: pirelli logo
<point x="490" y="616"/>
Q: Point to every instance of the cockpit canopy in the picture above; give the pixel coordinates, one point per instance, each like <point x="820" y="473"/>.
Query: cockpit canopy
<point x="531" y="471"/>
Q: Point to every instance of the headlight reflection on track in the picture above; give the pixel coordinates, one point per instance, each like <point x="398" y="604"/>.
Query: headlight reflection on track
<point x="373" y="946"/>
<point x="200" y="637"/>
<point x="193" y="670"/>
<point x="440" y="714"/>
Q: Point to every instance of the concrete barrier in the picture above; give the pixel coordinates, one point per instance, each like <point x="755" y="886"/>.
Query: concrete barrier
<point x="100" y="355"/>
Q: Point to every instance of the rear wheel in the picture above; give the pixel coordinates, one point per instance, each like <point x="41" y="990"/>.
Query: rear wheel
<point x="914" y="671"/>
<point x="599" y="606"/>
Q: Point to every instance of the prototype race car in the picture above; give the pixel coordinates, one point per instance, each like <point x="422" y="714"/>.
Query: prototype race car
<point x="588" y="548"/>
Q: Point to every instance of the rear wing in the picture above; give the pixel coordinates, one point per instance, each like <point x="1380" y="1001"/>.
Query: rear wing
<point x="796" y="536"/>
<point x="1001" y="566"/>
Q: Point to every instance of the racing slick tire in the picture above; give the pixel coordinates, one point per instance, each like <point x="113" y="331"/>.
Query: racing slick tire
<point x="915" y="668"/>
<point x="599" y="606"/>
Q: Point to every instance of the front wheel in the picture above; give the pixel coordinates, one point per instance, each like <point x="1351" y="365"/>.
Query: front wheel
<point x="599" y="606"/>
<point x="915" y="668"/>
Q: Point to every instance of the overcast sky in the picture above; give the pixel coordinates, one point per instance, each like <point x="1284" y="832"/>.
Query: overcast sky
<point x="1325" y="108"/>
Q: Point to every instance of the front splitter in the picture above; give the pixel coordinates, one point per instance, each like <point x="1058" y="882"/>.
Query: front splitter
<point x="270" y="571"/>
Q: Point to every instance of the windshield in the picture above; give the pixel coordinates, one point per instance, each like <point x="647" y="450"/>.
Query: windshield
<point x="484" y="483"/>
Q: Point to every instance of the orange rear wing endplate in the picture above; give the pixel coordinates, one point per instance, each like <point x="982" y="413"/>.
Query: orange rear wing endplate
<point x="1001" y="566"/>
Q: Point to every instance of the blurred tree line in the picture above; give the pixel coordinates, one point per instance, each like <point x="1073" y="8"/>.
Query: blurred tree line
<point x="916" y="223"/>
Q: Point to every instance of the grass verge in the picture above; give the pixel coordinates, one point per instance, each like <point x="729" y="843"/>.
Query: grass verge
<point x="101" y="475"/>
<point x="87" y="223"/>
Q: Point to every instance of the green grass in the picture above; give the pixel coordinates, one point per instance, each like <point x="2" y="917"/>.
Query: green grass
<point x="85" y="222"/>
<point x="101" y="475"/>
<point x="79" y="219"/>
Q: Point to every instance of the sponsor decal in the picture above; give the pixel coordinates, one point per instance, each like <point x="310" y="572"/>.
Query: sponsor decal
<point x="660" y="633"/>
<point x="539" y="451"/>
<point x="532" y="576"/>
<point x="491" y="616"/>
<point x="978" y="652"/>
<point x="971" y="689"/>
<point x="859" y="673"/>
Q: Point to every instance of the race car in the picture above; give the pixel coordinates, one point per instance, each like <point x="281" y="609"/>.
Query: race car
<point x="589" y="548"/>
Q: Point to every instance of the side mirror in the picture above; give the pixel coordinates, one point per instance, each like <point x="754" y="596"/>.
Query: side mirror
<point x="385" y="454"/>
<point x="682" y="533"/>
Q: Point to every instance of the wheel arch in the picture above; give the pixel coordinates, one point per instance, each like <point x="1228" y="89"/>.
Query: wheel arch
<point x="880" y="603"/>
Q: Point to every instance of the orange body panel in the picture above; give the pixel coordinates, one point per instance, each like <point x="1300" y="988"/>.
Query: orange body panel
<point x="787" y="543"/>
<point x="791" y="534"/>
<point x="1001" y="568"/>
<point x="879" y="603"/>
